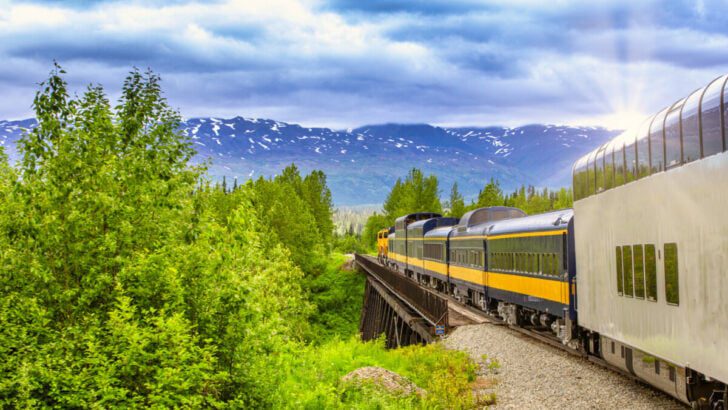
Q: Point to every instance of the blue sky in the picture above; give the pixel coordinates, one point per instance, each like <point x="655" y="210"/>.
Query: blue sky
<point x="352" y="62"/>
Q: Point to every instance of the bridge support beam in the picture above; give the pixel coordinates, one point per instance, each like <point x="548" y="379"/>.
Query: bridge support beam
<point x="384" y="314"/>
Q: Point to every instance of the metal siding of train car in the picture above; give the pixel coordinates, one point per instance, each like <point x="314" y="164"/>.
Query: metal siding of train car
<point x="696" y="220"/>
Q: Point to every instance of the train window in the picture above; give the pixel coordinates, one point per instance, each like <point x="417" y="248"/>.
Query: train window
<point x="639" y="272"/>
<point x="691" y="127"/>
<point x="619" y="163"/>
<point x="710" y="118"/>
<point x="620" y="276"/>
<point x="672" y="289"/>
<point x="650" y="273"/>
<point x="531" y="264"/>
<point x="590" y="179"/>
<point x="579" y="169"/>
<point x="643" y="150"/>
<point x="657" y="141"/>
<point x="630" y="161"/>
<point x="520" y="262"/>
<point x="627" y="269"/>
<point x="599" y="165"/>
<point x="609" y="168"/>
<point x="724" y="117"/>
<point x="524" y="262"/>
<point x="673" y="154"/>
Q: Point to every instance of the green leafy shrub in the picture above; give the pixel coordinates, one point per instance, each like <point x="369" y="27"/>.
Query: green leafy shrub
<point x="338" y="295"/>
<point x="314" y="376"/>
<point x="121" y="284"/>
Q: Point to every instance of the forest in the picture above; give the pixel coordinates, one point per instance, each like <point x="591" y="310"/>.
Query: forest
<point x="129" y="279"/>
<point x="420" y="193"/>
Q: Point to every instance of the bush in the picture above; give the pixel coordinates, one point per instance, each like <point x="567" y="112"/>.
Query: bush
<point x="338" y="295"/>
<point x="313" y="376"/>
<point x="122" y="286"/>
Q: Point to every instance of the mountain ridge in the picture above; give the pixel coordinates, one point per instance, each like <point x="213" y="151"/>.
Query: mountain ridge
<point x="363" y="163"/>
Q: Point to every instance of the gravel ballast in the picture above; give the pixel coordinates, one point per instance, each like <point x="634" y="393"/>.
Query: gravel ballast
<point x="534" y="375"/>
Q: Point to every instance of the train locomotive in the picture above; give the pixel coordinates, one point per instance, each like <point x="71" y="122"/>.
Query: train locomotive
<point x="636" y="274"/>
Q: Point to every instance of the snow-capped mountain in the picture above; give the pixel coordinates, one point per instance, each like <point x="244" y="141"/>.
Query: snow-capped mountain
<point x="363" y="163"/>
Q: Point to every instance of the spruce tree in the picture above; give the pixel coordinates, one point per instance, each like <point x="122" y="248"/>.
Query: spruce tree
<point x="456" y="203"/>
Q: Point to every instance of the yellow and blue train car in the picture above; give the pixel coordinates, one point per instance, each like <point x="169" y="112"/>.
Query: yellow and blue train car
<point x="528" y="269"/>
<point x="416" y="233"/>
<point x="467" y="279"/>
<point x="398" y="249"/>
<point x="436" y="258"/>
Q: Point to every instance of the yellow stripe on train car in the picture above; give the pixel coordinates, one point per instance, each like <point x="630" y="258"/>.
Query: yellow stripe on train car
<point x="415" y="261"/>
<point x="527" y="234"/>
<point x="477" y="276"/>
<point x="553" y="290"/>
<point x="437" y="267"/>
<point x="510" y="235"/>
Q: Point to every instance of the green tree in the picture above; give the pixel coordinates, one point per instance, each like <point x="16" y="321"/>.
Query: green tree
<point x="490" y="195"/>
<point x="290" y="220"/>
<point x="123" y="283"/>
<point x="318" y="197"/>
<point x="374" y="224"/>
<point x="416" y="193"/>
<point x="456" y="202"/>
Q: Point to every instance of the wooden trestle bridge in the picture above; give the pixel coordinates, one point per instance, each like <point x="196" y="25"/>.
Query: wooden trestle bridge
<point x="402" y="310"/>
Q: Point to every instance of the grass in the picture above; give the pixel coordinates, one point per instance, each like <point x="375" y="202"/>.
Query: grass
<point x="312" y="373"/>
<point x="313" y="377"/>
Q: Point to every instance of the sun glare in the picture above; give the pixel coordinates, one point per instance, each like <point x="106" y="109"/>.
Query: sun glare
<point x="622" y="120"/>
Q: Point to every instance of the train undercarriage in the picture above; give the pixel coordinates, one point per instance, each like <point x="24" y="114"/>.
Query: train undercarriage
<point x="686" y="385"/>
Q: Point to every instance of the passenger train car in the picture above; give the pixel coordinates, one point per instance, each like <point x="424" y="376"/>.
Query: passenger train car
<point x="397" y="241"/>
<point x="652" y="247"/>
<point x="416" y="232"/>
<point x="636" y="274"/>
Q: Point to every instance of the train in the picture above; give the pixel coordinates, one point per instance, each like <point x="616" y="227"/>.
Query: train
<point x="635" y="274"/>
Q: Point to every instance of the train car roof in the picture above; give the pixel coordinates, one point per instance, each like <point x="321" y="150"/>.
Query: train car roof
<point x="475" y="222"/>
<point x="417" y="216"/>
<point x="441" y="232"/>
<point x="428" y="224"/>
<point x="555" y="220"/>
<point x="488" y="214"/>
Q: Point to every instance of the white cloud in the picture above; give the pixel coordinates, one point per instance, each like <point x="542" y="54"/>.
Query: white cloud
<point x="527" y="61"/>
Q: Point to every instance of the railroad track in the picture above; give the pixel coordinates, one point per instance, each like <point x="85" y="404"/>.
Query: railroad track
<point x="542" y="336"/>
<point x="461" y="314"/>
